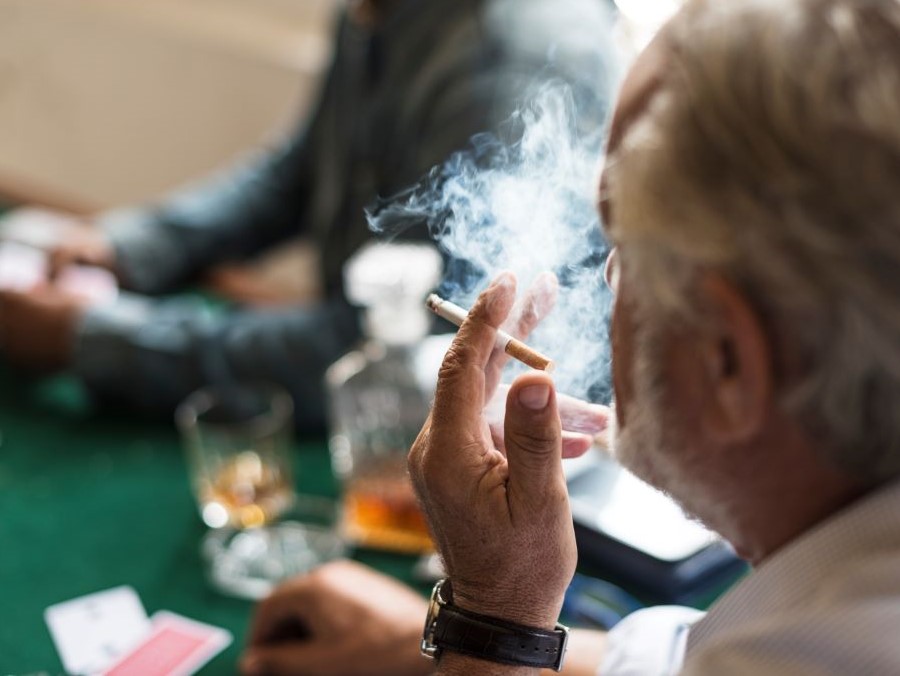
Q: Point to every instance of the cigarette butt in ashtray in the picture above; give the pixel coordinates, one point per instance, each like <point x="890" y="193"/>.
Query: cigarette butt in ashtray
<point x="512" y="346"/>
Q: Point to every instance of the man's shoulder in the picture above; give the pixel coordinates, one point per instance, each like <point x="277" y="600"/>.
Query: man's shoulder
<point x="845" y="623"/>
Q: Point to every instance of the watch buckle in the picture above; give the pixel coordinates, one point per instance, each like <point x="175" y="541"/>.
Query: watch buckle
<point x="427" y="646"/>
<point x="429" y="649"/>
<point x="557" y="667"/>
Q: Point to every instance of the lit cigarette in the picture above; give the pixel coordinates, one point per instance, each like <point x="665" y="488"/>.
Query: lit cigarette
<point x="513" y="347"/>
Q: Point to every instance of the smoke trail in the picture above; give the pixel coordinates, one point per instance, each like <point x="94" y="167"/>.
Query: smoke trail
<point x="527" y="206"/>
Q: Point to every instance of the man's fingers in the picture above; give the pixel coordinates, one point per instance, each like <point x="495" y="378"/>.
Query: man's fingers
<point x="67" y="256"/>
<point x="581" y="416"/>
<point x="13" y="296"/>
<point x="279" y="614"/>
<point x="536" y="304"/>
<point x="496" y="429"/>
<point x="533" y="434"/>
<point x="59" y="260"/>
<point x="460" y="390"/>
<point x="576" y="415"/>
<point x="575" y="444"/>
<point x="285" y="658"/>
<point x="526" y="314"/>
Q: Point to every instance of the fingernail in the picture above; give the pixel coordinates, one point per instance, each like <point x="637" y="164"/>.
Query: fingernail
<point x="503" y="279"/>
<point x="534" y="397"/>
<point x="602" y="415"/>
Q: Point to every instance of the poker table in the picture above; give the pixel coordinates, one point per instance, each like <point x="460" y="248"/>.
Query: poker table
<point x="90" y="500"/>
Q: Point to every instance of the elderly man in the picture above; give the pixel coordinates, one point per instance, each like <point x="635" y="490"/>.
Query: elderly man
<point x="752" y="190"/>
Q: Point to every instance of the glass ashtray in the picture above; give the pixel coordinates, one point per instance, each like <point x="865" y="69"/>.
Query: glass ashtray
<point x="249" y="563"/>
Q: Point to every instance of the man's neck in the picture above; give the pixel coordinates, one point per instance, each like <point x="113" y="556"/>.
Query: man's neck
<point x="783" y="491"/>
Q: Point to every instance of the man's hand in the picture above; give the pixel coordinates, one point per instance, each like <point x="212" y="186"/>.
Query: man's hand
<point x="67" y="239"/>
<point x="500" y="518"/>
<point x="37" y="327"/>
<point x="582" y="422"/>
<point x="342" y="619"/>
<point x="82" y="244"/>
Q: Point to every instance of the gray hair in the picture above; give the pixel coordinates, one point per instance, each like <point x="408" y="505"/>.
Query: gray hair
<point x="771" y="152"/>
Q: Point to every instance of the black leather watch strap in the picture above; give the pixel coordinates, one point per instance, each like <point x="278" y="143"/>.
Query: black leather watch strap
<point x="492" y="639"/>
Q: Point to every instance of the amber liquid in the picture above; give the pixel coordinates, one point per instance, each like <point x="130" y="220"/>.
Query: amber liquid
<point x="245" y="492"/>
<point x="381" y="511"/>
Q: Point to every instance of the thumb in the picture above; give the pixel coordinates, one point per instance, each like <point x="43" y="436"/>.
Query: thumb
<point x="533" y="434"/>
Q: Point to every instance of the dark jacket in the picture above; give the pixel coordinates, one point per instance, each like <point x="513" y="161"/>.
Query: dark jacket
<point x="398" y="99"/>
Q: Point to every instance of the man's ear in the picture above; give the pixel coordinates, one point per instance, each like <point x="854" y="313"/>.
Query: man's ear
<point x="735" y="353"/>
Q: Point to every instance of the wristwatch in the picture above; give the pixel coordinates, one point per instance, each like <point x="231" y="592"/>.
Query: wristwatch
<point x="448" y="627"/>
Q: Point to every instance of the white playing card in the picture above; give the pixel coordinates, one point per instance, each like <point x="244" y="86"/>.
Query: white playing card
<point x="21" y="267"/>
<point x="92" y="632"/>
<point x="35" y="227"/>
<point x="24" y="267"/>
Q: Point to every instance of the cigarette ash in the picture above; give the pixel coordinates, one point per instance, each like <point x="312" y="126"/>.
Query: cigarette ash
<point x="524" y="200"/>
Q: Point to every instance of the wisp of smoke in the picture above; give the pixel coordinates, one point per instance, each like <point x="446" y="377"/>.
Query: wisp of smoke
<point x="527" y="206"/>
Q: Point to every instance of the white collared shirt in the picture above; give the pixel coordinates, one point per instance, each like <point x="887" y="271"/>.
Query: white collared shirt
<point x="826" y="603"/>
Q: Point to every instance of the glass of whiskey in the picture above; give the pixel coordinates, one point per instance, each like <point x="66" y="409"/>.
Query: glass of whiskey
<point x="238" y="439"/>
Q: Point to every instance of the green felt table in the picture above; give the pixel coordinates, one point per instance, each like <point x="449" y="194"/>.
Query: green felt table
<point x="89" y="501"/>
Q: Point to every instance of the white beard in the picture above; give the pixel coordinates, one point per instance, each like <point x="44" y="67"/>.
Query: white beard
<point x="653" y="442"/>
<point x="640" y="446"/>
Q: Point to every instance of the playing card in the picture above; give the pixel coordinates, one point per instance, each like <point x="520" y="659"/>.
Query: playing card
<point x="36" y="227"/>
<point x="92" y="631"/>
<point x="24" y="267"/>
<point x="176" y="646"/>
<point x="21" y="267"/>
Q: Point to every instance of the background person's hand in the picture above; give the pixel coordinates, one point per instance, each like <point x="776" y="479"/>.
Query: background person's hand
<point x="37" y="327"/>
<point x="342" y="619"/>
<point x="81" y="244"/>
<point x="501" y="520"/>
<point x="68" y="239"/>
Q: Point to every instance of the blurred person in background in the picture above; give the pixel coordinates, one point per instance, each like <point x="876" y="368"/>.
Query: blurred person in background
<point x="752" y="189"/>
<point x="410" y="83"/>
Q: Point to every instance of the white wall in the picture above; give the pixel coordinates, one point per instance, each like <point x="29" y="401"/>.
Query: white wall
<point x="105" y="102"/>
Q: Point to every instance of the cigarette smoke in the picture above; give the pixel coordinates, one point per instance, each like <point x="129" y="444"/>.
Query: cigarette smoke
<point x="527" y="205"/>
